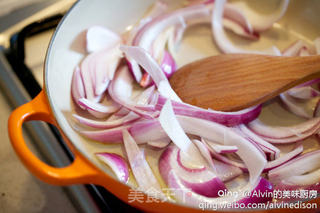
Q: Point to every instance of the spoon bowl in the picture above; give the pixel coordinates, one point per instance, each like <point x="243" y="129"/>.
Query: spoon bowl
<point x="233" y="82"/>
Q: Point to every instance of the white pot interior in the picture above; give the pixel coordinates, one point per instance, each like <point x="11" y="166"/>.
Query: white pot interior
<point x="67" y="50"/>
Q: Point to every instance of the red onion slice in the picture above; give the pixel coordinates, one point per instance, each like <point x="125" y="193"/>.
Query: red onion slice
<point x="283" y="159"/>
<point x="261" y="22"/>
<point x="295" y="133"/>
<point x="225" y="118"/>
<point x="239" y="30"/>
<point x="139" y="165"/>
<point x="118" y="165"/>
<point x="158" y="8"/>
<point x="99" y="37"/>
<point x="98" y="107"/>
<point x="225" y="171"/>
<point x="228" y="161"/>
<point x="77" y="89"/>
<point x="305" y="93"/>
<point x="168" y="66"/>
<point x="97" y="69"/>
<point x="147" y="35"/>
<point x="271" y="151"/>
<point x="203" y="181"/>
<point x="173" y="129"/>
<point x="221" y="38"/>
<point x="222" y="149"/>
<point x="120" y="91"/>
<point x="143" y="58"/>
<point x="130" y="117"/>
<point x="298" y="166"/>
<point x="255" y="162"/>
<point x="292" y="105"/>
<point x="205" y="153"/>
<point x="294" y="49"/>
<point x="307" y="179"/>
<point x="160" y="143"/>
<point x="142" y="132"/>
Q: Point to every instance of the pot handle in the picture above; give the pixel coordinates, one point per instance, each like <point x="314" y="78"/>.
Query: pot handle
<point x="79" y="171"/>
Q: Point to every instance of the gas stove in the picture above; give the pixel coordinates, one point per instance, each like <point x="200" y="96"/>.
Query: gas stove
<point x="24" y="37"/>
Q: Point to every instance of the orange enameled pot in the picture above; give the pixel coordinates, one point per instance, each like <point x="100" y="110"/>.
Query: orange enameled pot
<point x="54" y="104"/>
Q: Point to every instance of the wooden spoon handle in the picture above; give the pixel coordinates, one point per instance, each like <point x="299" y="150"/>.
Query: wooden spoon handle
<point x="236" y="81"/>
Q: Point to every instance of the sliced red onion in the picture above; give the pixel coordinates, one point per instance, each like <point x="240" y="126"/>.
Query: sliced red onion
<point x="120" y="91"/>
<point x="158" y="8"/>
<point x="203" y="182"/>
<point x="130" y="117"/>
<point x="98" y="107"/>
<point x="221" y="38"/>
<point x="77" y="89"/>
<point x="97" y="69"/>
<point x="239" y="30"/>
<point x="139" y="165"/>
<point x="276" y="134"/>
<point x="168" y="66"/>
<point x="307" y="179"/>
<point x="143" y="58"/>
<point x="299" y="166"/>
<point x="304" y="52"/>
<point x="225" y="118"/>
<point x="118" y="165"/>
<point x="160" y="143"/>
<point x="145" y="96"/>
<point x="147" y="35"/>
<point x="254" y="162"/>
<point x="142" y="131"/>
<point x="205" y="153"/>
<point x="173" y="129"/>
<point x="120" y="113"/>
<point x="221" y="149"/>
<point x="271" y="151"/>
<point x="283" y="159"/>
<point x="294" y="49"/>
<point x="261" y="22"/>
<point x="161" y="56"/>
<point x="99" y="37"/>
<point x="306" y="92"/>
<point x="228" y="161"/>
<point x="226" y="172"/>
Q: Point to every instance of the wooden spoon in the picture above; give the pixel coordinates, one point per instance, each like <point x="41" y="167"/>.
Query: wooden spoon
<point x="237" y="81"/>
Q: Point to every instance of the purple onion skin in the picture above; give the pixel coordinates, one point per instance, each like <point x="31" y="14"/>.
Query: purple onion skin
<point x="264" y="188"/>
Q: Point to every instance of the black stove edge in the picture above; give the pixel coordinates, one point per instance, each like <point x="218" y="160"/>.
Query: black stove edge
<point x="50" y="151"/>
